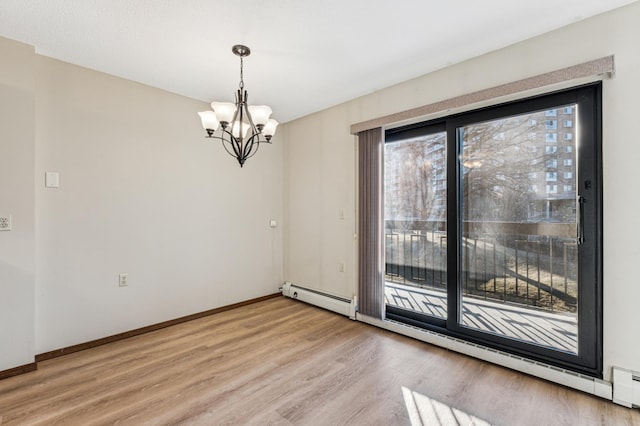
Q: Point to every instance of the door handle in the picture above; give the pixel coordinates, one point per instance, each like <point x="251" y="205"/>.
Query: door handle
<point x="580" y="219"/>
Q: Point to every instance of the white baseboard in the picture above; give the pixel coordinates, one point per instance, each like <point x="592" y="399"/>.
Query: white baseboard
<point x="554" y="374"/>
<point x="625" y="389"/>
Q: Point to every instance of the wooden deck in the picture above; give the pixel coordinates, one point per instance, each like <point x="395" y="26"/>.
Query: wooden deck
<point x="558" y="331"/>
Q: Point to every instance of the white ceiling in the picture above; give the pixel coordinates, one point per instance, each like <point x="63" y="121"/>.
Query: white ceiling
<point x="306" y="55"/>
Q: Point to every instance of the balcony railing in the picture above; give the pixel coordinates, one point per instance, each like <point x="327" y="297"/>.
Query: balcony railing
<point x="532" y="264"/>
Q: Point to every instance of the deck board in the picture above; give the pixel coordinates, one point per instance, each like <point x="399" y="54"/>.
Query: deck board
<point x="554" y="330"/>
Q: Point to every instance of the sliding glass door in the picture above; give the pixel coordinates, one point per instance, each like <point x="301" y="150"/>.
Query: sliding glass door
<point x="416" y="221"/>
<point x="519" y="227"/>
<point x="511" y="259"/>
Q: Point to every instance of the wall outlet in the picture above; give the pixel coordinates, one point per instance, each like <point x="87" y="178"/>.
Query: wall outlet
<point x="123" y="280"/>
<point x="5" y="223"/>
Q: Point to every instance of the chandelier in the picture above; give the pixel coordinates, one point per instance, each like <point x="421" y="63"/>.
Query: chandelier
<point x="242" y="127"/>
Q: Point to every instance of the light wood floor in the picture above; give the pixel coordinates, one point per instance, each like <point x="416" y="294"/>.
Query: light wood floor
<point x="283" y="362"/>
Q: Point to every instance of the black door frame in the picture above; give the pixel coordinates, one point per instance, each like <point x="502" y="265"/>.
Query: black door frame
<point x="588" y="97"/>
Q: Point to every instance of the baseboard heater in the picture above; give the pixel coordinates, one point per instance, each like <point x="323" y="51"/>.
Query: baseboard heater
<point x="554" y="374"/>
<point x="327" y="301"/>
<point x="626" y="387"/>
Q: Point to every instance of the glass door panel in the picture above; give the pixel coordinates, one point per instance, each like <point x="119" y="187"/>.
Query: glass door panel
<point x="493" y="227"/>
<point x="415" y="224"/>
<point x="518" y="248"/>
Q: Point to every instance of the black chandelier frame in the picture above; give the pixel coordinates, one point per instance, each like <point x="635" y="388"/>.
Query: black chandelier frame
<point x="233" y="140"/>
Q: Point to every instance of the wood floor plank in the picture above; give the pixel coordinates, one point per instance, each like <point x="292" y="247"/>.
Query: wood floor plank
<point x="283" y="362"/>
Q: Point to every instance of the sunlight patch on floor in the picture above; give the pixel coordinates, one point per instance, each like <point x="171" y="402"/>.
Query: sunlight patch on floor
<point x="425" y="411"/>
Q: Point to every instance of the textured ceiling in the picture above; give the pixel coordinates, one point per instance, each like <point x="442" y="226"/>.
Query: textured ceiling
<point x="306" y="55"/>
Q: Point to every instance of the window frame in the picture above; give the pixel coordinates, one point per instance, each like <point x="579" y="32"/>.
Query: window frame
<point x="588" y="171"/>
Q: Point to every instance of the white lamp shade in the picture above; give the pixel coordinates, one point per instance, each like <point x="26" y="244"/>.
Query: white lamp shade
<point x="224" y="111"/>
<point x="236" y="129"/>
<point x="209" y="120"/>
<point x="270" y="128"/>
<point x="260" y="114"/>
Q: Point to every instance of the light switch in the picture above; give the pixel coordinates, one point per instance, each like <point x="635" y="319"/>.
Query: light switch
<point x="52" y="179"/>
<point x="273" y="223"/>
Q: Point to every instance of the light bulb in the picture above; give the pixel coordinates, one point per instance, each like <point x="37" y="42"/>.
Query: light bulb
<point x="236" y="129"/>
<point x="209" y="120"/>
<point x="260" y="114"/>
<point x="270" y="128"/>
<point x="224" y="111"/>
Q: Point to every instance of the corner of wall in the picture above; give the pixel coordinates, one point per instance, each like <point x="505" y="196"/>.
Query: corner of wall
<point x="17" y="165"/>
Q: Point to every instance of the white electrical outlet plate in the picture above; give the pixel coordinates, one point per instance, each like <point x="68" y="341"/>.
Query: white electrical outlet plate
<point x="5" y="223"/>
<point x="123" y="280"/>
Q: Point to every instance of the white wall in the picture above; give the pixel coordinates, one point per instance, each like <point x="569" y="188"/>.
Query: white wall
<point x="17" y="251"/>
<point x="319" y="163"/>
<point x="319" y="186"/>
<point x="142" y="192"/>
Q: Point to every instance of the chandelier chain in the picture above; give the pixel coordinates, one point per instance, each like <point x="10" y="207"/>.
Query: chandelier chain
<point x="241" y="73"/>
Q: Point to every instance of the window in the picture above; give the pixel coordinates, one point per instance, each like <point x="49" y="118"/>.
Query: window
<point x="568" y="136"/>
<point x="568" y="123"/>
<point x="470" y="252"/>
